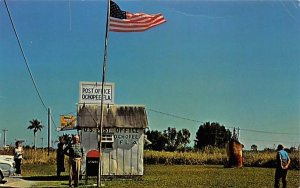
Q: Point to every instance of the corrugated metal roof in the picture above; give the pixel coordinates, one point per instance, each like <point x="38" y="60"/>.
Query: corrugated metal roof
<point x="125" y="116"/>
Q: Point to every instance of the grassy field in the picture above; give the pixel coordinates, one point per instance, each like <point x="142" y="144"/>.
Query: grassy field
<point x="210" y="156"/>
<point x="173" y="169"/>
<point x="172" y="176"/>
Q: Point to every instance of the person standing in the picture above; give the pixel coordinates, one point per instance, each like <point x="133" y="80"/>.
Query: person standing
<point x="76" y="153"/>
<point x="282" y="163"/>
<point x="18" y="153"/>
<point x="60" y="157"/>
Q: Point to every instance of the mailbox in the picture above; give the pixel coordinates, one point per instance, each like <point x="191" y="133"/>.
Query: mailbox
<point x="92" y="163"/>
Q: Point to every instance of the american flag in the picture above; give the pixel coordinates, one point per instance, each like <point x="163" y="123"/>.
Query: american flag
<point x="122" y="21"/>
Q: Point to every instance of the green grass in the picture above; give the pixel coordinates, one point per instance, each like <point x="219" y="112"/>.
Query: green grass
<point x="173" y="176"/>
<point x="208" y="156"/>
<point x="174" y="169"/>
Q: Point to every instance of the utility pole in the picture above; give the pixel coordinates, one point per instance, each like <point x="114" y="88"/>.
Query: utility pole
<point x="235" y="134"/>
<point x="42" y="142"/>
<point x="42" y="145"/>
<point x="4" y="135"/>
<point x="216" y="137"/>
<point x="49" y="130"/>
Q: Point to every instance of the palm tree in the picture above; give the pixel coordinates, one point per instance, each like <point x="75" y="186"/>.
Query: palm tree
<point x="36" y="126"/>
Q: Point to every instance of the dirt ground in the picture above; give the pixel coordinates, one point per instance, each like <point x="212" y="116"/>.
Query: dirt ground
<point x="16" y="182"/>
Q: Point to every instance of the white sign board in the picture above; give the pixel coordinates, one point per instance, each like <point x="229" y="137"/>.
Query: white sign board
<point x="90" y="93"/>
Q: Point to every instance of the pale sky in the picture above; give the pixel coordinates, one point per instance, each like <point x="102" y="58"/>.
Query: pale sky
<point x="232" y="62"/>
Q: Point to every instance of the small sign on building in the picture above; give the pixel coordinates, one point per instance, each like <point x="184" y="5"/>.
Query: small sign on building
<point x="67" y="122"/>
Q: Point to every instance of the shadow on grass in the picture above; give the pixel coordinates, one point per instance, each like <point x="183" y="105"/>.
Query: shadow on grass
<point x="46" y="178"/>
<point x="61" y="181"/>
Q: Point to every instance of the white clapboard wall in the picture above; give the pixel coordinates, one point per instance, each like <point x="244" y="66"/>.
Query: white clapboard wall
<point x="123" y="137"/>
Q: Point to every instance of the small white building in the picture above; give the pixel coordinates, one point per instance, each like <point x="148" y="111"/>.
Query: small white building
<point x="122" y="140"/>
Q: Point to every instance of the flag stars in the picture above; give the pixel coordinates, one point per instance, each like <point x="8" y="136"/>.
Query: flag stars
<point x="116" y="12"/>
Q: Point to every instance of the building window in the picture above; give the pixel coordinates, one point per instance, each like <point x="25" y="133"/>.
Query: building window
<point x="107" y="141"/>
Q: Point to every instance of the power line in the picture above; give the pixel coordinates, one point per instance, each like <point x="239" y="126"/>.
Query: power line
<point x="52" y="119"/>
<point x="156" y="111"/>
<point x="215" y="134"/>
<point x="175" y="116"/>
<point x="259" y="140"/>
<point x="197" y="121"/>
<point x="24" y="57"/>
<point x="26" y="62"/>
<point x="268" y="132"/>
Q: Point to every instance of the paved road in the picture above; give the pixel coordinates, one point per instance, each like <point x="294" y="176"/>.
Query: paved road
<point x="16" y="182"/>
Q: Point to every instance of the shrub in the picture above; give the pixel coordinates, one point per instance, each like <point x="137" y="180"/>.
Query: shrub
<point x="30" y="156"/>
<point x="207" y="156"/>
<point x="216" y="156"/>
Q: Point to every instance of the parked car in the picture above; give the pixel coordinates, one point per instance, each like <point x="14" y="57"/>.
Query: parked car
<point x="7" y="166"/>
<point x="1" y="176"/>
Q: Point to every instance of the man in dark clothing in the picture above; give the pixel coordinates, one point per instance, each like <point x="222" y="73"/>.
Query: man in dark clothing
<point x="282" y="163"/>
<point x="76" y="153"/>
<point x="60" y="157"/>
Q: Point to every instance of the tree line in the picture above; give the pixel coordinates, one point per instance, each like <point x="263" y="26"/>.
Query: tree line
<point x="208" y="134"/>
<point x="171" y="139"/>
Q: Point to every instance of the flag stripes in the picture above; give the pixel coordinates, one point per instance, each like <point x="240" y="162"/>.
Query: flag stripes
<point x="135" y="22"/>
<point x="123" y="21"/>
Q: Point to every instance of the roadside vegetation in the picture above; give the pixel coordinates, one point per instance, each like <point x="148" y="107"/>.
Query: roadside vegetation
<point x="171" y="147"/>
<point x="207" y="156"/>
<point x="170" y="162"/>
<point x="202" y="168"/>
<point x="216" y="156"/>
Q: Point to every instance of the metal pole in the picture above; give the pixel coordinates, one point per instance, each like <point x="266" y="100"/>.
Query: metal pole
<point x="42" y="142"/>
<point x="4" y="141"/>
<point x="49" y="130"/>
<point x="100" y="127"/>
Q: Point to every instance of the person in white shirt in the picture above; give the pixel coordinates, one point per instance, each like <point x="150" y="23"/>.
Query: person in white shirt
<point x="18" y="152"/>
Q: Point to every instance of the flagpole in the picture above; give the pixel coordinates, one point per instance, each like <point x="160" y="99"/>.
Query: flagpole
<point x="100" y="128"/>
